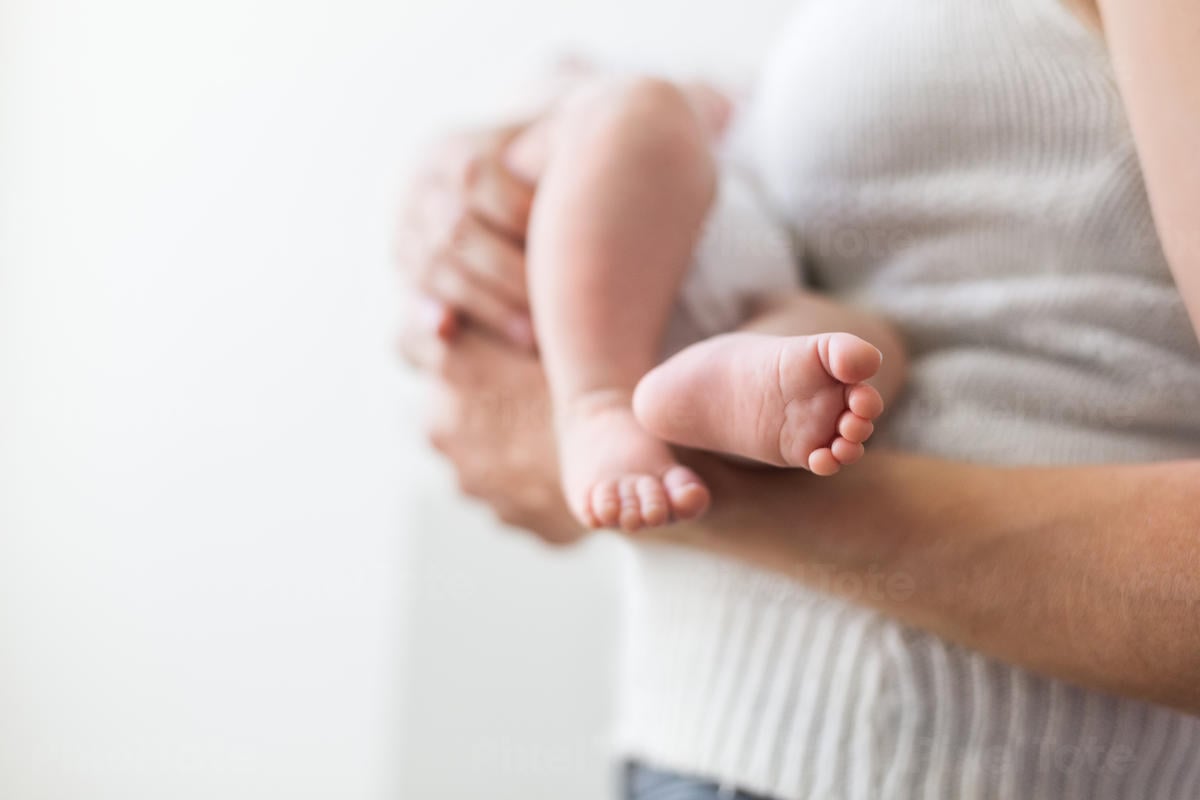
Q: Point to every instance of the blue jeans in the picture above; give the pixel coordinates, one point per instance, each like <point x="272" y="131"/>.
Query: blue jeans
<point x="647" y="783"/>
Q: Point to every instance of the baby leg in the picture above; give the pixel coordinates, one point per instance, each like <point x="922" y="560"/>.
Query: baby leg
<point x="620" y="205"/>
<point x="780" y="391"/>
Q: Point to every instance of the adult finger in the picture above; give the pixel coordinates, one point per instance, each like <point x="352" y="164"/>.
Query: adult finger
<point x="492" y="259"/>
<point x="499" y="197"/>
<point x="423" y="334"/>
<point x="452" y="283"/>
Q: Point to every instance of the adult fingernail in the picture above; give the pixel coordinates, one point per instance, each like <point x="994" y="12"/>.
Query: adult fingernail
<point x="439" y="318"/>
<point x="431" y="313"/>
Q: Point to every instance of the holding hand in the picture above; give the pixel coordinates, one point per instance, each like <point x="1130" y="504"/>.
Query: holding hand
<point x="462" y="234"/>
<point x="492" y="422"/>
<point x="462" y="253"/>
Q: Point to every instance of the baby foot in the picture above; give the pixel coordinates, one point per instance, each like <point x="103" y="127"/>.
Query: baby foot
<point x="617" y="475"/>
<point x="796" y="401"/>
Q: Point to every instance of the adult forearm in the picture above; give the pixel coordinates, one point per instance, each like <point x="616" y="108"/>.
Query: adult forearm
<point x="1089" y="574"/>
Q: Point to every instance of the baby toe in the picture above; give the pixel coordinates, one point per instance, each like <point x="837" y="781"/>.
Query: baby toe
<point x="688" y="496"/>
<point x="847" y="452"/>
<point x="865" y="401"/>
<point x="606" y="503"/>
<point x="851" y="359"/>
<point x="822" y="462"/>
<point x="631" y="509"/>
<point x="854" y="428"/>
<point x="652" y="498"/>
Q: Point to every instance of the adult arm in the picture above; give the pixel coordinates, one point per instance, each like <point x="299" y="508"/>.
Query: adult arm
<point x="1088" y="574"/>
<point x="1155" y="49"/>
<point x="1091" y="574"/>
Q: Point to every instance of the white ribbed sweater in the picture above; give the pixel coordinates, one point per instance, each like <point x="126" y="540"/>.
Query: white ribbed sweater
<point x="965" y="167"/>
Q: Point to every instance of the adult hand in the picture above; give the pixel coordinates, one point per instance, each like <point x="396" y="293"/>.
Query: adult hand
<point x="492" y="421"/>
<point x="462" y="234"/>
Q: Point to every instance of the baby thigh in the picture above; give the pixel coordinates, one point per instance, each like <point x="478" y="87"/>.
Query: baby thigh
<point x="619" y="210"/>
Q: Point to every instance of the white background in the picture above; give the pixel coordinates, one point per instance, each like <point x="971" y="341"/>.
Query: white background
<point x="227" y="568"/>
